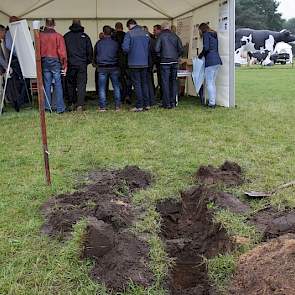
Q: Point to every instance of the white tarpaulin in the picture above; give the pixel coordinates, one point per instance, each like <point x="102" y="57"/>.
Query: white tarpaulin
<point x="198" y="73"/>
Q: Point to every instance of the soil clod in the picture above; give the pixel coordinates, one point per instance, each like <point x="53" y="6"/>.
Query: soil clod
<point x="120" y="256"/>
<point x="272" y="223"/>
<point x="228" y="174"/>
<point x="191" y="236"/>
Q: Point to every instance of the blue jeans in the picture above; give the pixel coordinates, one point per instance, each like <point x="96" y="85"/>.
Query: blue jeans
<point x="52" y="70"/>
<point x="139" y="77"/>
<point x="169" y="84"/>
<point x="210" y="77"/>
<point x="103" y="78"/>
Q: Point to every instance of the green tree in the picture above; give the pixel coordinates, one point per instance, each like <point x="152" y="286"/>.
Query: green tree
<point x="290" y="25"/>
<point x="258" y="14"/>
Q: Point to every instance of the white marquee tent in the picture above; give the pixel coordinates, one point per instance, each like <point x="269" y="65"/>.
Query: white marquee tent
<point x="185" y="14"/>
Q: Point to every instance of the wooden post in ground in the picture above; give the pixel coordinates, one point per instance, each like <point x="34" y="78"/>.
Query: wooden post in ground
<point x="42" y="105"/>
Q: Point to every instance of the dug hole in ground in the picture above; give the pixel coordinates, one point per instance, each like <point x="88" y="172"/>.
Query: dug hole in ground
<point x="188" y="229"/>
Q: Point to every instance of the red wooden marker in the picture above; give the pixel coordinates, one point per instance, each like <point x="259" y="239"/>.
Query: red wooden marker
<point x="42" y="105"/>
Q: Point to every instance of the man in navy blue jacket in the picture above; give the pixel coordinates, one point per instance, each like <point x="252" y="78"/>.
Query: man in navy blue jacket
<point x="106" y="53"/>
<point x="137" y="45"/>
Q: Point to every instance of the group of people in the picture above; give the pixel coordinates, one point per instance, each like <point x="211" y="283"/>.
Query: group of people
<point x="128" y="60"/>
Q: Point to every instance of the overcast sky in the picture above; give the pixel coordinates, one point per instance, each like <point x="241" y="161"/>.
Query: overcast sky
<point x="287" y="8"/>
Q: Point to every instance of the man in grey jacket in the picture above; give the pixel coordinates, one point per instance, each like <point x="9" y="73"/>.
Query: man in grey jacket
<point x="169" y="48"/>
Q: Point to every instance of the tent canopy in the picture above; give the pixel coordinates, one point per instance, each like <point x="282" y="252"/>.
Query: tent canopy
<point x="90" y="9"/>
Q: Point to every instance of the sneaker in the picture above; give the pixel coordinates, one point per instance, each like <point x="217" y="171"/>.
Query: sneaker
<point x="147" y="108"/>
<point x="101" y="110"/>
<point x="211" y="106"/>
<point x="137" y="110"/>
<point x="117" y="110"/>
<point x="80" y="109"/>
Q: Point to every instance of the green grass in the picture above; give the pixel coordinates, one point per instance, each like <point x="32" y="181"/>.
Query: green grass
<point x="258" y="134"/>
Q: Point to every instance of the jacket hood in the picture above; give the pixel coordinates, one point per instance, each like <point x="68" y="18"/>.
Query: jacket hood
<point x="76" y="28"/>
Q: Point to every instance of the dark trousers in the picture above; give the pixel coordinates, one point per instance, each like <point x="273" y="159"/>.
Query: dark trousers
<point x="169" y="84"/>
<point x="16" y="88"/>
<point x="139" y="77"/>
<point x="159" y="86"/>
<point x="151" y="85"/>
<point x="76" y="83"/>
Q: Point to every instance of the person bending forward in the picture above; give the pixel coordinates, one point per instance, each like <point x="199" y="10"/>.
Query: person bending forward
<point x="106" y="54"/>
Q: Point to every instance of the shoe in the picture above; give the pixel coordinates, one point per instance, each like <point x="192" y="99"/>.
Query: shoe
<point x="147" y="108"/>
<point x="117" y="110"/>
<point x="16" y="106"/>
<point x="80" y="109"/>
<point x="102" y="110"/>
<point x="136" y="110"/>
<point x="211" y="106"/>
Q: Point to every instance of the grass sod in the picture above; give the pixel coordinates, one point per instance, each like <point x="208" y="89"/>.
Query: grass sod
<point x="258" y="134"/>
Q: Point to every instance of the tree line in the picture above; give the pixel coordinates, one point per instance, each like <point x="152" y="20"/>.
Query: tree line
<point x="261" y="14"/>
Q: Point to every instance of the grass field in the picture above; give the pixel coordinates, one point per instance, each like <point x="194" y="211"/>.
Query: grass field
<point x="258" y="134"/>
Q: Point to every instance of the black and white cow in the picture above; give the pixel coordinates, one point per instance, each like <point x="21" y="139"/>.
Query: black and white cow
<point x="259" y="42"/>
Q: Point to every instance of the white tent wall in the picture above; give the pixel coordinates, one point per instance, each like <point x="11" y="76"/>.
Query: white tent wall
<point x="3" y="19"/>
<point x="93" y="28"/>
<point x="226" y="77"/>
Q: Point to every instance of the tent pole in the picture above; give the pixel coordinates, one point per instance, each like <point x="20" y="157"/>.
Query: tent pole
<point x="36" y="8"/>
<point x="232" y="75"/>
<point x="42" y="105"/>
<point x="5" y="13"/>
<point x="155" y="9"/>
<point x="195" y="8"/>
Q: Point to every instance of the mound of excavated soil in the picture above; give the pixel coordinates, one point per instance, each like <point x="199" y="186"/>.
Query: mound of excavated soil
<point x="228" y="174"/>
<point x="120" y="257"/>
<point x="107" y="199"/>
<point x="190" y="236"/>
<point x="269" y="269"/>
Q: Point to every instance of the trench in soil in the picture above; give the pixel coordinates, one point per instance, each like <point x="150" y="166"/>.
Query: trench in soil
<point x="191" y="236"/>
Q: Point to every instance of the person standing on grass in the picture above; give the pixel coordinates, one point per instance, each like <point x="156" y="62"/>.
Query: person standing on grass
<point x="156" y="59"/>
<point x="169" y="48"/>
<point x="80" y="55"/>
<point x="137" y="45"/>
<point x="212" y="60"/>
<point x="54" y="62"/>
<point x="107" y="58"/>
<point x="126" y="86"/>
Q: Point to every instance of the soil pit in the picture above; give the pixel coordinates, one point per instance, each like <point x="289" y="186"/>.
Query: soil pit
<point x="268" y="269"/>
<point x="120" y="256"/>
<point x="190" y="235"/>
<point x="228" y="174"/>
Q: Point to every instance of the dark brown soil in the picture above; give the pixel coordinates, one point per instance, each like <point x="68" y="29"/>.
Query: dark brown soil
<point x="272" y="223"/>
<point x="190" y="236"/>
<point x="269" y="269"/>
<point x="120" y="257"/>
<point x="228" y="174"/>
<point x="107" y="199"/>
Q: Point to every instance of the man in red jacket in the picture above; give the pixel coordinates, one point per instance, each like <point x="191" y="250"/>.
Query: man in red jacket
<point x="54" y="63"/>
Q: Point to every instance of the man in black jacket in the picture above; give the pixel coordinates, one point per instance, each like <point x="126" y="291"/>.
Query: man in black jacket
<point x="80" y="55"/>
<point x="169" y="48"/>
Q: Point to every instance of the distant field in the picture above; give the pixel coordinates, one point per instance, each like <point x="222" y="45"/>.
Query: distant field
<point x="258" y="134"/>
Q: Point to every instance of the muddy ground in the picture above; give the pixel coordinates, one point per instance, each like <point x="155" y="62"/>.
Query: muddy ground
<point x="189" y="231"/>
<point x="120" y="256"/>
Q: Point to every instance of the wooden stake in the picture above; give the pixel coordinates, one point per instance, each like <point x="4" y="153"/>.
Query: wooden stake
<point x="42" y="105"/>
